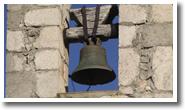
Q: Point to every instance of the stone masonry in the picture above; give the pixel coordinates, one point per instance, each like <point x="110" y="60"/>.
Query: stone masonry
<point x="37" y="56"/>
<point x="145" y="53"/>
<point x="146" y="50"/>
<point x="37" y="59"/>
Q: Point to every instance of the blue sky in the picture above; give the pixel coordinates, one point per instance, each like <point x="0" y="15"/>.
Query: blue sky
<point x="111" y="47"/>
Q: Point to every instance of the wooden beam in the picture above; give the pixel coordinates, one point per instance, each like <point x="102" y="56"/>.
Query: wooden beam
<point x="104" y="32"/>
<point x="107" y="14"/>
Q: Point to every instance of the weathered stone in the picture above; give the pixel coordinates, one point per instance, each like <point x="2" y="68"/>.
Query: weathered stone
<point x="106" y="97"/>
<point x="65" y="11"/>
<point x="28" y="47"/>
<point x="148" y="88"/>
<point x="156" y="34"/>
<point x="146" y="95"/>
<point x="20" y="85"/>
<point x="15" y="41"/>
<point x="14" y="62"/>
<point x="163" y="68"/>
<point x="141" y="86"/>
<point x="50" y="37"/>
<point x="119" y="96"/>
<point x="127" y="34"/>
<point x="128" y="66"/>
<point x="144" y="59"/>
<point x="162" y="13"/>
<point x="14" y="19"/>
<point x="44" y="58"/>
<point x="126" y="90"/>
<point x="132" y="14"/>
<point x="49" y="83"/>
<point x="29" y="67"/>
<point x="144" y="66"/>
<point x="12" y="78"/>
<point x="151" y="84"/>
<point x="43" y="17"/>
<point x="31" y="40"/>
<point x="90" y="94"/>
<point x="163" y="95"/>
<point x="33" y="32"/>
<point x="66" y="73"/>
<point x="48" y="59"/>
<point x="64" y="51"/>
<point x="14" y="7"/>
<point x="30" y="58"/>
<point x="145" y="74"/>
<point x="147" y="52"/>
<point x="27" y="7"/>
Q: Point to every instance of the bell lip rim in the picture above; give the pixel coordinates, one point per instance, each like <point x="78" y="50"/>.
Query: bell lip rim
<point x="91" y="67"/>
<point x="113" y="78"/>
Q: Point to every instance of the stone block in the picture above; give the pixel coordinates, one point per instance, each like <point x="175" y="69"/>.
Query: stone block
<point x="163" y="95"/>
<point x="126" y="90"/>
<point x="15" y="41"/>
<point x="66" y="73"/>
<point x="146" y="95"/>
<point x="50" y="37"/>
<point x="20" y="85"/>
<point x="65" y="51"/>
<point x="90" y="94"/>
<point x="145" y="74"/>
<point x="13" y="78"/>
<point x="128" y="66"/>
<point x="115" y="96"/>
<point x="14" y="62"/>
<point x="156" y="35"/>
<point x="162" y="13"/>
<point x="14" y="19"/>
<point x="141" y="86"/>
<point x="144" y="66"/>
<point x="163" y="68"/>
<point x="49" y="84"/>
<point x="43" y="17"/>
<point x="119" y="96"/>
<point x="106" y="97"/>
<point x="144" y="59"/>
<point x="126" y="35"/>
<point x="29" y="47"/>
<point x="14" y="7"/>
<point x="65" y="12"/>
<point x="132" y="14"/>
<point x="48" y="59"/>
<point x="33" y="32"/>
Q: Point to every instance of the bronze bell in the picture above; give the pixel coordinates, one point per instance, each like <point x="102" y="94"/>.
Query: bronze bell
<point x="93" y="68"/>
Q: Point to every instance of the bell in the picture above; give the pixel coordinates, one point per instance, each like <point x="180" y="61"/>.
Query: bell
<point x="93" y="68"/>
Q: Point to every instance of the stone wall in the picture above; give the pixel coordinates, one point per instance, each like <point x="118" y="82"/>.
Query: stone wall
<point x="146" y="50"/>
<point x="145" y="54"/>
<point x="37" y="59"/>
